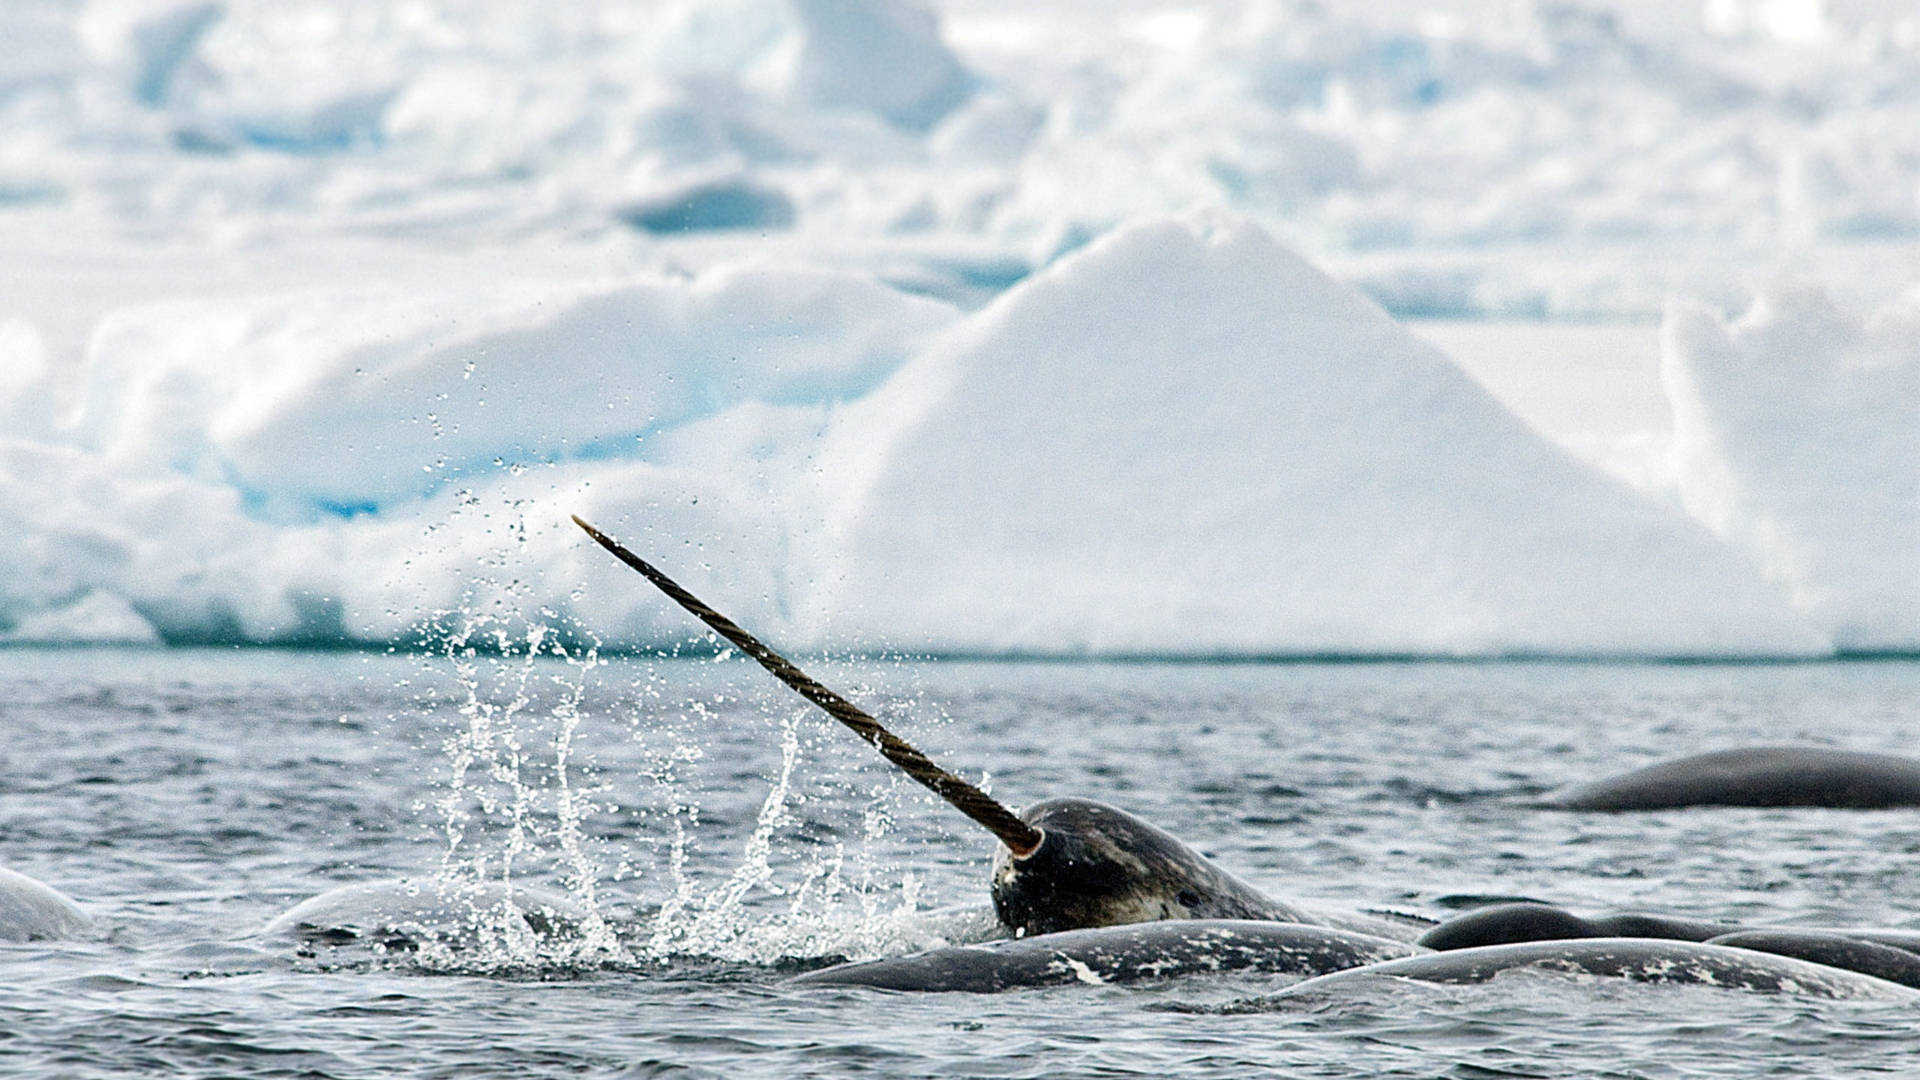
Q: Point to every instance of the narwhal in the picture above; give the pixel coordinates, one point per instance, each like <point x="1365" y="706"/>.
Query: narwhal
<point x="1811" y="776"/>
<point x="1063" y="863"/>
<point x="1092" y="893"/>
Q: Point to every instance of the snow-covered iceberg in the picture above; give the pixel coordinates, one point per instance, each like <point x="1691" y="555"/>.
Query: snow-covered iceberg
<point x="1188" y="439"/>
<point x="1799" y="442"/>
<point x="350" y="400"/>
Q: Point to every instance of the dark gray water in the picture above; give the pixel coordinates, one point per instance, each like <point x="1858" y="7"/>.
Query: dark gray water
<point x="186" y="798"/>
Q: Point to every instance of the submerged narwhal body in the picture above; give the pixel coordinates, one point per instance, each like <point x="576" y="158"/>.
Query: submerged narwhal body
<point x="1065" y="864"/>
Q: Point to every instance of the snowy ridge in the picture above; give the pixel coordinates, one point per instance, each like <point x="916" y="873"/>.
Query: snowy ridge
<point x="1256" y="460"/>
<point x="257" y="392"/>
<point x="1183" y="439"/>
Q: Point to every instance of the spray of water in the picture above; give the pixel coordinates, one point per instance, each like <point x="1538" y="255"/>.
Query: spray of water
<point x="519" y="805"/>
<point x="512" y="801"/>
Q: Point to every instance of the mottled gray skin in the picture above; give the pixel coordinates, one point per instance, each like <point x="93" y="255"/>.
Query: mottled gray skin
<point x="1505" y="924"/>
<point x="33" y="911"/>
<point x="1757" y="776"/>
<point x="1121" y="954"/>
<point x="1109" y="898"/>
<point x="1098" y="865"/>
<point x="1832" y="949"/>
<point x="1898" y="938"/>
<point x="1852" y="950"/>
<point x="1638" y="959"/>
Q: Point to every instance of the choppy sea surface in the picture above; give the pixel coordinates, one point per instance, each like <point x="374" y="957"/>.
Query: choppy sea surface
<point x="721" y="837"/>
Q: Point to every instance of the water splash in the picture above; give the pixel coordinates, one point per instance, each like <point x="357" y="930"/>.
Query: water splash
<point x="513" y="798"/>
<point x="820" y="911"/>
<point x="517" y="795"/>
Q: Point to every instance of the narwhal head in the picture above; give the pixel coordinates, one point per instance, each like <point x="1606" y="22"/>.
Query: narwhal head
<point x="1097" y="865"/>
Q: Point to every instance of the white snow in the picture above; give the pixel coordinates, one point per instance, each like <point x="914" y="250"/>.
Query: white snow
<point x="978" y="325"/>
<point x="1188" y="435"/>
<point x="1799" y="442"/>
<point x="266" y="393"/>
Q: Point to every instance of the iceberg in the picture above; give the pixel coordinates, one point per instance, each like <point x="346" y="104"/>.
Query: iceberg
<point x="1799" y="443"/>
<point x="1187" y="439"/>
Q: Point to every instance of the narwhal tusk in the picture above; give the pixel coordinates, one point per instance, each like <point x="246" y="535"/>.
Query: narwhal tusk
<point x="1020" y="837"/>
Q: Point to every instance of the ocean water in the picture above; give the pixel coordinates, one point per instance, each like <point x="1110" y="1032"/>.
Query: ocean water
<point x="723" y="837"/>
